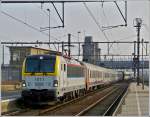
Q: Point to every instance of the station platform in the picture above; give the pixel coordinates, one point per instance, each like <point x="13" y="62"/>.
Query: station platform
<point x="10" y="94"/>
<point x="136" y="102"/>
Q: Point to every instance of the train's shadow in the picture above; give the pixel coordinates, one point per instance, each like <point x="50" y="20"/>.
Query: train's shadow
<point x="20" y="103"/>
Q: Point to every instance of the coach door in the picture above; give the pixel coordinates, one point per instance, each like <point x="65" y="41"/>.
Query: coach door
<point x="65" y="75"/>
<point x="87" y="78"/>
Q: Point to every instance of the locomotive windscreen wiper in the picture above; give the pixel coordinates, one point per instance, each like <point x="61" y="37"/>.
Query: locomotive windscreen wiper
<point x="32" y="73"/>
<point x="44" y="73"/>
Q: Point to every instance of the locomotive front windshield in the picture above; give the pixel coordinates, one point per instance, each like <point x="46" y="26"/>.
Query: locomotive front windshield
<point x="40" y="64"/>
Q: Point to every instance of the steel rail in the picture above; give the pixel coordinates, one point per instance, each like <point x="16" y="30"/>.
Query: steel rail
<point x="94" y="104"/>
<point x="74" y="100"/>
<point x="114" y="102"/>
<point x="120" y="103"/>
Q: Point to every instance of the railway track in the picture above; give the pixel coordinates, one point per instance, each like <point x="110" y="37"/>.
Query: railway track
<point x="104" y="106"/>
<point x="78" y="106"/>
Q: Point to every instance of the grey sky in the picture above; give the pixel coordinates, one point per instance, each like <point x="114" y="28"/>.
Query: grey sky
<point x="76" y="19"/>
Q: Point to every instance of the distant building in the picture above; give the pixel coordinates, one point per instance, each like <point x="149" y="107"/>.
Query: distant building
<point x="12" y="71"/>
<point x="18" y="53"/>
<point x="91" y="52"/>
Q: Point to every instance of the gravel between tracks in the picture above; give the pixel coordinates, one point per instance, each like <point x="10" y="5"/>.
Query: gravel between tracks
<point x="75" y="107"/>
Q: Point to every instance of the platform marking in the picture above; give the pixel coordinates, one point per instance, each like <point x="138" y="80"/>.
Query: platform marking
<point x="137" y="100"/>
<point x="8" y="100"/>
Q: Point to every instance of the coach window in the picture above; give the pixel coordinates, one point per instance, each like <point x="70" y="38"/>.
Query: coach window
<point x="64" y="67"/>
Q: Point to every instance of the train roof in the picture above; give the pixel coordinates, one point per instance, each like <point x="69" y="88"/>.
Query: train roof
<point x="38" y="55"/>
<point x="89" y="65"/>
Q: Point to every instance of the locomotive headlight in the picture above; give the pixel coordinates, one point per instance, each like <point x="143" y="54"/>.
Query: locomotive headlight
<point x="55" y="83"/>
<point x="23" y="84"/>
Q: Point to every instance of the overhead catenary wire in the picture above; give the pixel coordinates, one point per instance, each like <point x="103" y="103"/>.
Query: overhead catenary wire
<point x="28" y="25"/>
<point x="42" y="10"/>
<point x="21" y="21"/>
<point x="123" y="16"/>
<point x="93" y="17"/>
<point x="104" y="14"/>
<point x="49" y="29"/>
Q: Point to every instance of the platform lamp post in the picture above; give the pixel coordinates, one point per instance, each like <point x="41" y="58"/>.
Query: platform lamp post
<point x="134" y="64"/>
<point x="137" y="23"/>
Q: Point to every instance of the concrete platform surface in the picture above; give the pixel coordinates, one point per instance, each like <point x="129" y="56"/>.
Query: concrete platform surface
<point x="10" y="94"/>
<point x="136" y="102"/>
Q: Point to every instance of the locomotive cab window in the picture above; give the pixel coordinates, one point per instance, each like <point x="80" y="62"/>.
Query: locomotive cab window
<point x="40" y="64"/>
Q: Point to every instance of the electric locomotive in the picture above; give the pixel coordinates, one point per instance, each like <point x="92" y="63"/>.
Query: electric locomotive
<point x="51" y="77"/>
